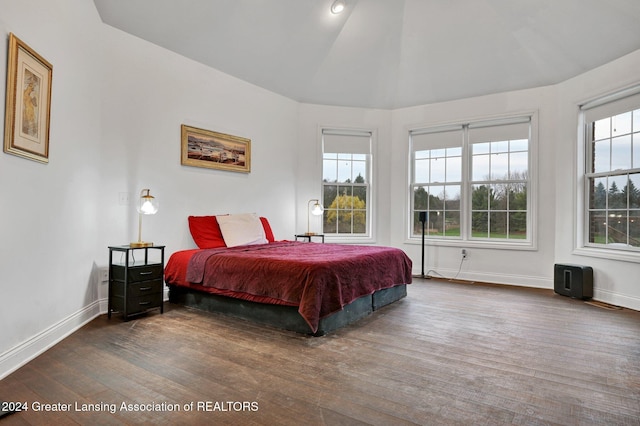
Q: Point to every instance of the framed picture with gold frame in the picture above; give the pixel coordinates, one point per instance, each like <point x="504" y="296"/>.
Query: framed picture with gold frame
<point x="213" y="150"/>
<point x="28" y="103"/>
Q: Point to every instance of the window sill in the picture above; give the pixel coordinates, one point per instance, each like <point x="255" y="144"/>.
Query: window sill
<point x="608" y="254"/>
<point x="348" y="240"/>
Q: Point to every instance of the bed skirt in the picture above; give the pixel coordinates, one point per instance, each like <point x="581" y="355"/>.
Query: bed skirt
<point x="285" y="317"/>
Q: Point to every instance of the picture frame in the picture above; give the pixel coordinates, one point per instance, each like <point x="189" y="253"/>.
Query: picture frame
<point x="28" y="102"/>
<point x="213" y="150"/>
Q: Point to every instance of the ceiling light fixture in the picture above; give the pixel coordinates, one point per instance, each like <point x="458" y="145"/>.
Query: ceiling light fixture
<point x="337" y="7"/>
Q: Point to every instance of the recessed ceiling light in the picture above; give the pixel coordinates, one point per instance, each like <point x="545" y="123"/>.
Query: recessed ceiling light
<point x="337" y="6"/>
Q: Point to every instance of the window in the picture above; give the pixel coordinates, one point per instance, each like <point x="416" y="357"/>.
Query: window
<point x="346" y="183"/>
<point x="473" y="181"/>
<point x="612" y="171"/>
<point x="499" y="180"/>
<point x="437" y="180"/>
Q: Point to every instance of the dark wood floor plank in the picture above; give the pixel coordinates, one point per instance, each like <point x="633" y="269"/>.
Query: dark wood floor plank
<point x="448" y="354"/>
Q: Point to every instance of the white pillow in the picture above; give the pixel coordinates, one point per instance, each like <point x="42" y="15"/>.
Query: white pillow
<point x="241" y="229"/>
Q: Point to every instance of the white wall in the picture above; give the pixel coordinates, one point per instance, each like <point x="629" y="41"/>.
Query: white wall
<point x="508" y="266"/>
<point x="150" y="92"/>
<point x="49" y="213"/>
<point x="391" y="177"/>
<point x="118" y="103"/>
<point x="311" y="120"/>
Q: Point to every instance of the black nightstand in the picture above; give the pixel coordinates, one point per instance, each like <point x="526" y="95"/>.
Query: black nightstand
<point x="135" y="285"/>
<point x="309" y="237"/>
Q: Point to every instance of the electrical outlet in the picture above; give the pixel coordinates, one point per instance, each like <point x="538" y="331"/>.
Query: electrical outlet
<point x="464" y="253"/>
<point x="104" y="274"/>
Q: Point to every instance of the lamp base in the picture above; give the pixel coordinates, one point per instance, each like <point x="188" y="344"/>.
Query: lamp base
<point x="137" y="244"/>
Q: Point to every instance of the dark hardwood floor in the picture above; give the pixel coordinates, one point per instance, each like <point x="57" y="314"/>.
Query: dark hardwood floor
<point x="450" y="353"/>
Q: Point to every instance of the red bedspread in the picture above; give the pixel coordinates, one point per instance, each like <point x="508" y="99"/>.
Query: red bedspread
<point x="318" y="278"/>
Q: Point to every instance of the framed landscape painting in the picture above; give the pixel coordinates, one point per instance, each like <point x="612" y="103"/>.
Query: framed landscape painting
<point x="28" y="103"/>
<point x="213" y="150"/>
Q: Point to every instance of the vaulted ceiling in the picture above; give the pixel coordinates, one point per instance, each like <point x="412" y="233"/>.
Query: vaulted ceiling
<point x="387" y="53"/>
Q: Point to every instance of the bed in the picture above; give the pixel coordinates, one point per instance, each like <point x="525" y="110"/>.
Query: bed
<point x="310" y="288"/>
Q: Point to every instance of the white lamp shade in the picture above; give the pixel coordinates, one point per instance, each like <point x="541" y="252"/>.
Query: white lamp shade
<point x="148" y="203"/>
<point x="317" y="209"/>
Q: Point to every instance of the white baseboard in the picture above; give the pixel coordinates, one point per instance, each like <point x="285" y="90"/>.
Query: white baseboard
<point x="21" y="354"/>
<point x="616" y="299"/>
<point x="607" y="296"/>
<point x="493" y="278"/>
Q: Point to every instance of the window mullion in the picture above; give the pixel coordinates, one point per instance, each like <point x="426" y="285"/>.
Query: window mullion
<point x="465" y="190"/>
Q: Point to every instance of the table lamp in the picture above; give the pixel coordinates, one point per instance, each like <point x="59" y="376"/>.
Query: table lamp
<point x="147" y="204"/>
<point x="316" y="211"/>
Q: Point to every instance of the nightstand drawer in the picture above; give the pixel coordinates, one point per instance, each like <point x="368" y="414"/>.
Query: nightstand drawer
<point x="142" y="303"/>
<point x="138" y="273"/>
<point x="144" y="288"/>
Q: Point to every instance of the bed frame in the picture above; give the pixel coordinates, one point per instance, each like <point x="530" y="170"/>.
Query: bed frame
<point x="285" y="317"/>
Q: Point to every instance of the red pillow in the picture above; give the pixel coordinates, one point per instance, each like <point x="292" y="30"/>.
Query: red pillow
<point x="205" y="232"/>
<point x="268" y="233"/>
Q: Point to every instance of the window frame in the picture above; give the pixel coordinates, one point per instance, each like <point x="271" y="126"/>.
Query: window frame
<point x="466" y="238"/>
<point x="492" y="182"/>
<point x="369" y="235"/>
<point x="414" y="185"/>
<point x="611" y="105"/>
